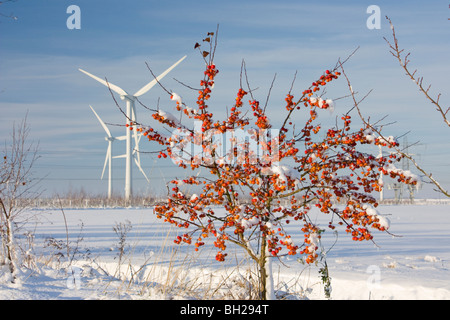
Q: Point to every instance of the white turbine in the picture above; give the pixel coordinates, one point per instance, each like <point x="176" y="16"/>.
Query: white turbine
<point x="131" y="119"/>
<point x="109" y="157"/>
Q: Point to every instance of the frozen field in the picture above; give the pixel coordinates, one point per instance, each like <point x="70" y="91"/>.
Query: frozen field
<point x="413" y="264"/>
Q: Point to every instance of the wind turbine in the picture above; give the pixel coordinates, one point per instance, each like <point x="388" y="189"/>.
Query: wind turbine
<point x="109" y="157"/>
<point x="131" y="118"/>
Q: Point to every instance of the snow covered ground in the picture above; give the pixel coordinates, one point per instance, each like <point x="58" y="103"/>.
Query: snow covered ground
<point x="413" y="264"/>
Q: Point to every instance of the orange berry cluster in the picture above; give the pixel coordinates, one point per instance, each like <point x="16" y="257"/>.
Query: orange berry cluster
<point x="327" y="168"/>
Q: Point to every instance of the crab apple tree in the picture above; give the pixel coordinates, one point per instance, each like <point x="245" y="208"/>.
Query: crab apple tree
<point x="254" y="168"/>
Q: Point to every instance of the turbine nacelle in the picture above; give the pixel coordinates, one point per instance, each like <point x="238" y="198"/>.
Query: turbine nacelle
<point x="127" y="97"/>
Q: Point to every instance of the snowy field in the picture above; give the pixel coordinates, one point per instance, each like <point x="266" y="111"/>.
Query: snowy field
<point x="146" y="264"/>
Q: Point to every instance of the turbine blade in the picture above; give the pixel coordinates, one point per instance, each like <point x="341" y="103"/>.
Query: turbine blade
<point x="135" y="135"/>
<point x="140" y="169"/>
<point x="138" y="137"/>
<point x="136" y="153"/>
<point x="108" y="151"/>
<point x="102" y="123"/>
<point x="158" y="78"/>
<point x="113" y="87"/>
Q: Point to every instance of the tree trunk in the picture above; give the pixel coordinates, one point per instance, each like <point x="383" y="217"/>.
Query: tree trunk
<point x="270" y="290"/>
<point x="9" y="241"/>
<point x="265" y="273"/>
<point x="10" y="255"/>
<point x="9" y="248"/>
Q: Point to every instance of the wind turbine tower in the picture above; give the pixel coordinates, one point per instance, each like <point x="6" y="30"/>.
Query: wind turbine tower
<point x="131" y="118"/>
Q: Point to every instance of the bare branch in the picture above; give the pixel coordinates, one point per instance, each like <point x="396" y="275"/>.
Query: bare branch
<point x="156" y="78"/>
<point x="397" y="149"/>
<point x="270" y="90"/>
<point x="403" y="61"/>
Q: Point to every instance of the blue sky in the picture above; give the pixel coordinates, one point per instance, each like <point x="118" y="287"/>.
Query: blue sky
<point x="40" y="57"/>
